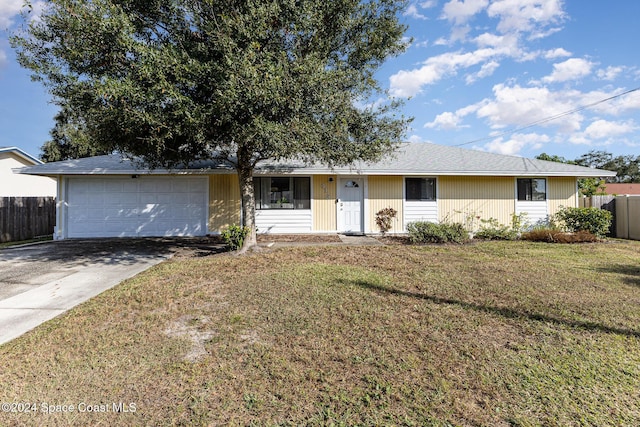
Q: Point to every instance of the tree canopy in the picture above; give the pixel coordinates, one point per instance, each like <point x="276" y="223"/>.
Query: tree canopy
<point x="174" y="81"/>
<point x="627" y="168"/>
<point x="69" y="140"/>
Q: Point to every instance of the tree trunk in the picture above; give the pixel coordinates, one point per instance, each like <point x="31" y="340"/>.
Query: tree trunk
<point x="245" y="177"/>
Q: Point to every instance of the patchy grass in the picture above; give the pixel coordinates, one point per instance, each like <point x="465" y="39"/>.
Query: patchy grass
<point x="494" y="333"/>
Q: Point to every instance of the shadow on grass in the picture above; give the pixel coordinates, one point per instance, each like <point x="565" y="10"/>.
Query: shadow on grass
<point x="111" y="251"/>
<point x="501" y="311"/>
<point x="631" y="273"/>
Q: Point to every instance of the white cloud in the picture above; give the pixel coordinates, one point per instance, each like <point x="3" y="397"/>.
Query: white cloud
<point x="506" y="41"/>
<point x="416" y="138"/>
<point x="543" y="33"/>
<point x="614" y="107"/>
<point x="460" y="11"/>
<point x="3" y="57"/>
<point x="556" y="53"/>
<point x="408" y="83"/>
<point x="515" y="106"/>
<point x="441" y="41"/>
<point x="414" y="9"/>
<point x="449" y="120"/>
<point x="628" y="102"/>
<point x="571" y="69"/>
<point x="516" y="143"/>
<point x="8" y="11"/>
<point x="444" y="121"/>
<point x="526" y="15"/>
<point x="485" y="71"/>
<point x="413" y="12"/>
<point x="609" y="73"/>
<point x="601" y="129"/>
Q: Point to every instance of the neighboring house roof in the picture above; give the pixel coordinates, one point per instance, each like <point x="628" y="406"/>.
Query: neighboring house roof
<point x="410" y="159"/>
<point x="622" y="188"/>
<point x="20" y="153"/>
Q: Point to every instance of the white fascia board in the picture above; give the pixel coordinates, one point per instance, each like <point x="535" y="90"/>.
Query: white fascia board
<point x="21" y="153"/>
<point x="596" y="173"/>
<point x="101" y="172"/>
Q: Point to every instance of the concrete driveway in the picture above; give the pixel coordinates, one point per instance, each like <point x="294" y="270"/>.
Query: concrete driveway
<point x="39" y="282"/>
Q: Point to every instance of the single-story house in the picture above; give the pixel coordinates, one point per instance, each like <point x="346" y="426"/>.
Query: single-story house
<point x="14" y="185"/>
<point x="108" y="196"/>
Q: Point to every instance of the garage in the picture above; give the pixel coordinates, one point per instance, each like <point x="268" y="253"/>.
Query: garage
<point x="135" y="206"/>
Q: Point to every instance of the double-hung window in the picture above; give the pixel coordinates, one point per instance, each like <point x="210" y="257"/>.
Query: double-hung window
<point x="532" y="189"/>
<point x="420" y="189"/>
<point x="282" y="192"/>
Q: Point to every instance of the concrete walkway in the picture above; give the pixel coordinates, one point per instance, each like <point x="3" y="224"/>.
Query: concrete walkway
<point x="357" y="240"/>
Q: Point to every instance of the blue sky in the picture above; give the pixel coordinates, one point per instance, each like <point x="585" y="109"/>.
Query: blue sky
<point x="478" y="74"/>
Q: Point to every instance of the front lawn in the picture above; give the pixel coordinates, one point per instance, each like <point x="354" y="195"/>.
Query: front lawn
<point x="490" y="333"/>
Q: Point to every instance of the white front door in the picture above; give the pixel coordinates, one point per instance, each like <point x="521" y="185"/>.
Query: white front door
<point x="350" y="201"/>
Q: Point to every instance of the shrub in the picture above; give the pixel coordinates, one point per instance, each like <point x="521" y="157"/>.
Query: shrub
<point x="552" y="235"/>
<point x="491" y="229"/>
<point x="595" y="221"/>
<point x="430" y="232"/>
<point x="384" y="217"/>
<point x="234" y="236"/>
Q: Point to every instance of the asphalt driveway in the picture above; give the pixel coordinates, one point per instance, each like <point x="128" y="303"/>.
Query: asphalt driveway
<point x="39" y="282"/>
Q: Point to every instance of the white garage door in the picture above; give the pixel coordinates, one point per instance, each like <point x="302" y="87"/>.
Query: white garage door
<point x="137" y="207"/>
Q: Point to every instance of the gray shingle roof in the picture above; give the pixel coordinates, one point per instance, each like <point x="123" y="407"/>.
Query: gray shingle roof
<point x="410" y="159"/>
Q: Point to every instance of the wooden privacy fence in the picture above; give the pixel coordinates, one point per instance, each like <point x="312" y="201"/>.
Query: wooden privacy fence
<point x="625" y="210"/>
<point x="23" y="218"/>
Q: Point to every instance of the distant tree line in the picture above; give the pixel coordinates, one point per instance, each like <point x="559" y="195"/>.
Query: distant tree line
<point x="627" y="169"/>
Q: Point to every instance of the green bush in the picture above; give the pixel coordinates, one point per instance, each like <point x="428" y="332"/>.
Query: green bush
<point x="430" y="232"/>
<point x="234" y="236"/>
<point x="595" y="221"/>
<point x="491" y="229"/>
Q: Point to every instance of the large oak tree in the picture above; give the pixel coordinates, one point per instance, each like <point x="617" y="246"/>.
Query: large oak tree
<point x="173" y="81"/>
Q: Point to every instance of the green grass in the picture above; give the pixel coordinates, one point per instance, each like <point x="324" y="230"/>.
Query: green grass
<point x="487" y="334"/>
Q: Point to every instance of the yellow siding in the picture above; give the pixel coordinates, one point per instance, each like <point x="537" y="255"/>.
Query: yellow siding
<point x="385" y="192"/>
<point x="460" y="198"/>
<point x="324" y="203"/>
<point x="561" y="191"/>
<point x="224" y="202"/>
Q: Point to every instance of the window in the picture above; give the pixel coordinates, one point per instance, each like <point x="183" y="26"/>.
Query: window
<point x="532" y="189"/>
<point x="421" y="189"/>
<point x="282" y="193"/>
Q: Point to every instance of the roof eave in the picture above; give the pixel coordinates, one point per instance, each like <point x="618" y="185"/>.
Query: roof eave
<point x="302" y="171"/>
<point x="23" y="154"/>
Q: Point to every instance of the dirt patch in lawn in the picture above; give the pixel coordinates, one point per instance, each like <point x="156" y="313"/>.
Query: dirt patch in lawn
<point x="394" y="240"/>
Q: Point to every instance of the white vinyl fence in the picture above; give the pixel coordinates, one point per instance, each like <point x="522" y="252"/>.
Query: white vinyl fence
<point x="625" y="210"/>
